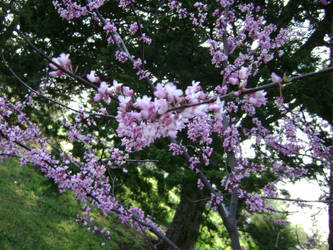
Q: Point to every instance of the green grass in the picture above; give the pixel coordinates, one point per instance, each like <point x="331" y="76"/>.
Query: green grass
<point x="33" y="215"/>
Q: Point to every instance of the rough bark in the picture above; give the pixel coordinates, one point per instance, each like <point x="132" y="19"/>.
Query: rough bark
<point x="184" y="229"/>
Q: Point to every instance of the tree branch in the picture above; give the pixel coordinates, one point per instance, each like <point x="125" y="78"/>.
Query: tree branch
<point x="252" y="90"/>
<point x="297" y="200"/>
<point x="135" y="217"/>
<point x="45" y="97"/>
<point x="123" y="47"/>
<point x="76" y="77"/>
<point x="140" y="30"/>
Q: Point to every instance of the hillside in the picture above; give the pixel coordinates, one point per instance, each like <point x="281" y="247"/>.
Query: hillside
<point x="33" y="215"/>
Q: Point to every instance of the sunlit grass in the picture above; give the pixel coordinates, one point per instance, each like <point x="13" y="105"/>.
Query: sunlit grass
<point x="33" y="215"/>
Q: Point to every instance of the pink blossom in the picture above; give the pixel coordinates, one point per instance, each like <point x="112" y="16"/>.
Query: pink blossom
<point x="276" y="78"/>
<point x="221" y="90"/>
<point x="242" y="84"/>
<point x="92" y="78"/>
<point x="116" y="87"/>
<point x="233" y="80"/>
<point x="161" y="106"/>
<point x="237" y="93"/>
<point x="194" y="93"/>
<point x="95" y="4"/>
<point x="137" y="63"/>
<point x="104" y="111"/>
<point x="145" y="105"/>
<point x="200" y="184"/>
<point x="160" y="91"/>
<point x="110" y="28"/>
<point x="56" y="73"/>
<point x="173" y="94"/>
<point x="123" y="102"/>
<point x="258" y="98"/>
<point x="243" y="73"/>
<point x="127" y="91"/>
<point x="110" y="40"/>
<point x="143" y="74"/>
<point x="145" y="39"/>
<point x="134" y="28"/>
<point x="103" y="93"/>
<point x="55" y="60"/>
<point x="62" y="61"/>
<point x="125" y="3"/>
<point x="121" y="56"/>
<point x="177" y="149"/>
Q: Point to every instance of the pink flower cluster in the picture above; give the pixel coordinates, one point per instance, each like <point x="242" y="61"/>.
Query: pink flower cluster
<point x="88" y="182"/>
<point x="69" y="10"/>
<point x="104" y="91"/>
<point x="62" y="61"/>
<point x="143" y="120"/>
<point x="92" y="78"/>
<point x="125" y="3"/>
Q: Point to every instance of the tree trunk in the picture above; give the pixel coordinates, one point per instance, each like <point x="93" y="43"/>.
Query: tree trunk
<point x="184" y="229"/>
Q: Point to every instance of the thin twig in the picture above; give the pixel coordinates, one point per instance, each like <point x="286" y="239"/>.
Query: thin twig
<point x="297" y="200"/>
<point x="141" y="33"/>
<point x="141" y="160"/>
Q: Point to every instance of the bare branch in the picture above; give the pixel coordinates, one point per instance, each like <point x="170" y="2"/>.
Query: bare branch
<point x="297" y="200"/>
<point x="129" y="160"/>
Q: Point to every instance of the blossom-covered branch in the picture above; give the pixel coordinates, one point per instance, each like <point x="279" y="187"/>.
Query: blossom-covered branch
<point x="241" y="92"/>
<point x="202" y="123"/>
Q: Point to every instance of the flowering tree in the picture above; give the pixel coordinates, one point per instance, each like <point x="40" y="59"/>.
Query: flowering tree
<point x="204" y="123"/>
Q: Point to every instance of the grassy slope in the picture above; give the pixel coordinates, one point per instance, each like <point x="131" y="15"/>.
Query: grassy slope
<point x="33" y="215"/>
